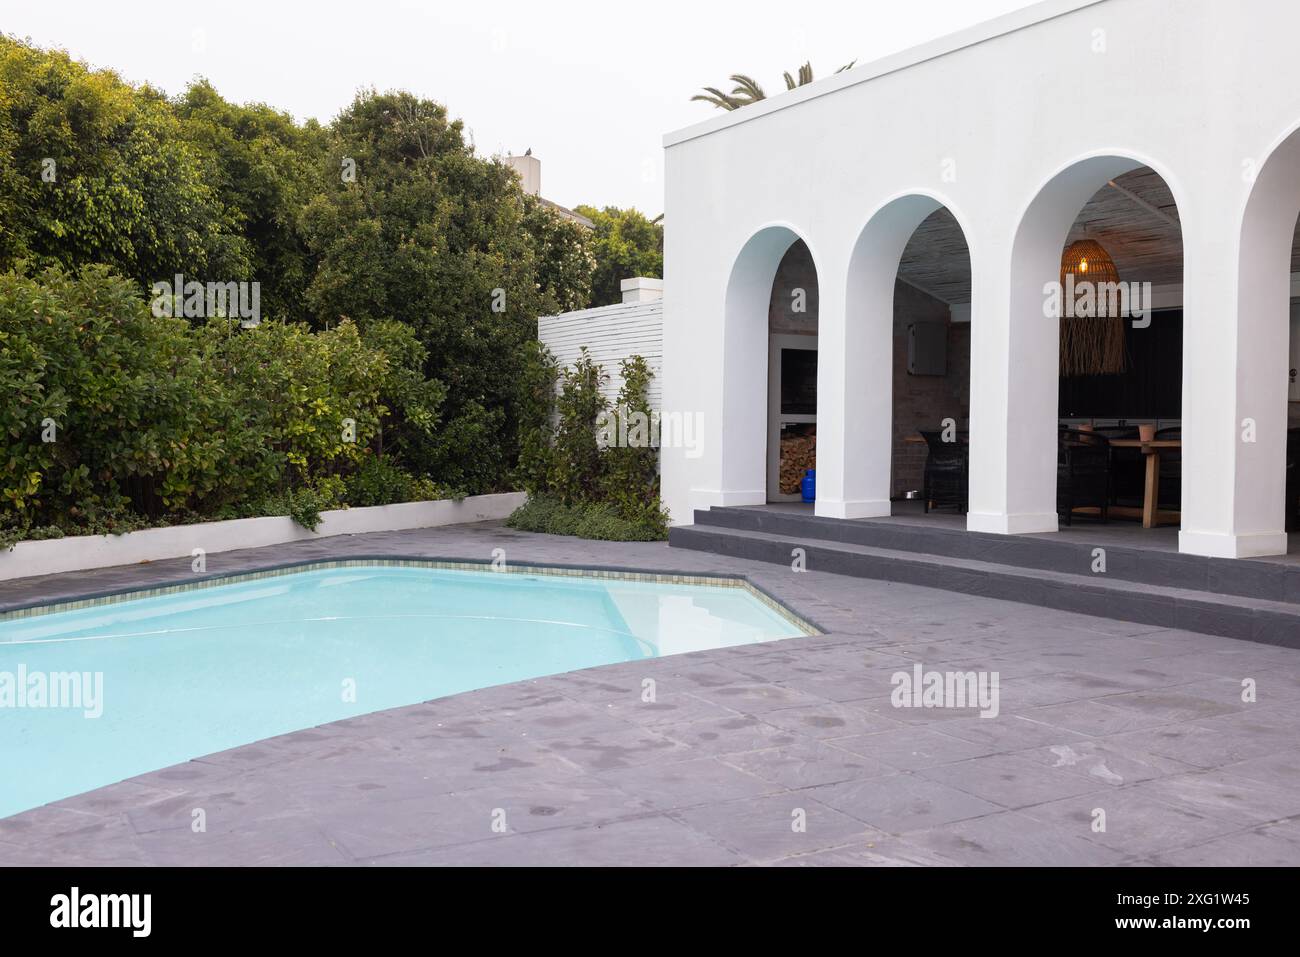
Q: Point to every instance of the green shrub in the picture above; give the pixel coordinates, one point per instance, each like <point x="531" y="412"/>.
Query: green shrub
<point x="597" y="521"/>
<point x="535" y="515"/>
<point x="378" y="481"/>
<point x="583" y="479"/>
<point x="576" y="466"/>
<point x="605" y="523"/>
<point x="304" y="507"/>
<point x="537" y="429"/>
<point x="118" y="419"/>
<point x="110" y="412"/>
<point x="630" y="471"/>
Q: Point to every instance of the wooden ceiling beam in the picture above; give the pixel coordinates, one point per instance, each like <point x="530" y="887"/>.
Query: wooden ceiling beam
<point x="1149" y="207"/>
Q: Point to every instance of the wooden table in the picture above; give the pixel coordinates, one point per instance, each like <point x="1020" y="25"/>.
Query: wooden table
<point x="1150" y="511"/>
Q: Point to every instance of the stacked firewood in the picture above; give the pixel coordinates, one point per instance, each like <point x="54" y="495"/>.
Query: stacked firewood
<point x="798" y="455"/>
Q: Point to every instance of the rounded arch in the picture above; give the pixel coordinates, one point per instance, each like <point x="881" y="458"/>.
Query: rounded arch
<point x="1265" y="263"/>
<point x="879" y="247"/>
<point x="744" y="418"/>
<point x="898" y="216"/>
<point x="1268" y="225"/>
<point x="858" y="458"/>
<point x="1029" y="466"/>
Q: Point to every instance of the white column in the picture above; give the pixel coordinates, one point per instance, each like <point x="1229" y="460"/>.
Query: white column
<point x="855" y="394"/>
<point x="717" y="344"/>
<point x="856" y="373"/>
<point x="1236" y="339"/>
<point x="1015" y="358"/>
<point x="1013" y="397"/>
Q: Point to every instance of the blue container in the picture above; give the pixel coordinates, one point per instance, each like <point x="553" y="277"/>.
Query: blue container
<point x="809" y="486"/>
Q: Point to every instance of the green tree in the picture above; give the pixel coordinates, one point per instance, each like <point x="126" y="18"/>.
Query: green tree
<point x="381" y="236"/>
<point x="93" y="170"/>
<point x="267" y="168"/>
<point x="625" y="244"/>
<point x="436" y="238"/>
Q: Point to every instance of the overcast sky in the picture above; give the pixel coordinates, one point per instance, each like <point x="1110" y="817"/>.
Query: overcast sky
<point x="590" y="85"/>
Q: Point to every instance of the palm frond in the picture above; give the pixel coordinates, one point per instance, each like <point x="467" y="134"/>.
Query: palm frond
<point x="805" y="77"/>
<point x="719" y="99"/>
<point x="747" y="89"/>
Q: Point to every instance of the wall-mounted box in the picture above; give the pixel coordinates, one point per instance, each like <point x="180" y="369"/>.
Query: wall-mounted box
<point x="927" y="348"/>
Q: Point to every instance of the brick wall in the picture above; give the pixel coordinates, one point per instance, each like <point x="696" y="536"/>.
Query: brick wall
<point x="796" y="272"/>
<point x="923" y="402"/>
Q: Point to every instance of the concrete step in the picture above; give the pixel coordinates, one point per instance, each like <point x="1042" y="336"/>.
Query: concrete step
<point x="1106" y="596"/>
<point x="1271" y="581"/>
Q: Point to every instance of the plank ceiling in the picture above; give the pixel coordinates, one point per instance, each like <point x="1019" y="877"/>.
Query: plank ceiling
<point x="1146" y="246"/>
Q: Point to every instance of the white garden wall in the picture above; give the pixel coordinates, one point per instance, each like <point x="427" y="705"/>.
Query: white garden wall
<point x="102" y="551"/>
<point x="610" y="334"/>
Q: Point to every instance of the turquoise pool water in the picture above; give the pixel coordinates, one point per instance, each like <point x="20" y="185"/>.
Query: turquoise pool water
<point x="151" y="682"/>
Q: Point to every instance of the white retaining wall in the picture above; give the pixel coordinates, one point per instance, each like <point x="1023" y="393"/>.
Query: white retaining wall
<point x="101" y="551"/>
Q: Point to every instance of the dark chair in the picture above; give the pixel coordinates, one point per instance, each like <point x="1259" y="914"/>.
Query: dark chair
<point x="1171" y="470"/>
<point x="1127" y="467"/>
<point x="1082" y="473"/>
<point x="1293" y="479"/>
<point x="947" y="472"/>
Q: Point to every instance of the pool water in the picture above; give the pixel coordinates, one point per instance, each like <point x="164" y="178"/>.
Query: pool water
<point x="184" y="674"/>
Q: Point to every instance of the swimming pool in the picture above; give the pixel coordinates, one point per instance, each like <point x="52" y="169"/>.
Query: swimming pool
<point x="95" y="694"/>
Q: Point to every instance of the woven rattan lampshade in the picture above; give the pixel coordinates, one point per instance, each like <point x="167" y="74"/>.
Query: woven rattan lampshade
<point x="1088" y="259"/>
<point x="1090" y="346"/>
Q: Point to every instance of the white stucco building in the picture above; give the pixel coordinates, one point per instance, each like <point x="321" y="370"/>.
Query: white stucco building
<point x="1175" y="120"/>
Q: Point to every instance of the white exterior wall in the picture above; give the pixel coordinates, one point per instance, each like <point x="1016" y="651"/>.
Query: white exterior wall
<point x="83" y="552"/>
<point x="1012" y="125"/>
<point x="611" y="334"/>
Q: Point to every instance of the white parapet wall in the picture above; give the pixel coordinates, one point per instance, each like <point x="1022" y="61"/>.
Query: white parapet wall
<point x="80" y="553"/>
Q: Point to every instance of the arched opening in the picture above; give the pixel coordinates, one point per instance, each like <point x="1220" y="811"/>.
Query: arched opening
<point x="1095" y="426"/>
<point x="792" y="375"/>
<point x="1268" y="387"/>
<point x="906" y="372"/>
<point x="770" y="370"/>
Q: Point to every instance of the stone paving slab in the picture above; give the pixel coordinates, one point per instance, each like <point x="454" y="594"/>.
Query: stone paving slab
<point x="790" y="753"/>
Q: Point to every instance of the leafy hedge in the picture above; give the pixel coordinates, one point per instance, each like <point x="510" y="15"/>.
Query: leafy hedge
<point x="117" y="419"/>
<point x="581" y="480"/>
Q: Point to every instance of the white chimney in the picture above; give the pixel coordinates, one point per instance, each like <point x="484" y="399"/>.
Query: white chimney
<point x="529" y="168"/>
<point x="642" y="289"/>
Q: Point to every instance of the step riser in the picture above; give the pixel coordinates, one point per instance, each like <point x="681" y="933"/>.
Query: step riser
<point x="1203" y="616"/>
<point x="1248" y="579"/>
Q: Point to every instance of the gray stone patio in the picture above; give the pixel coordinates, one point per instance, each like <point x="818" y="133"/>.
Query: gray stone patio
<point x="743" y="745"/>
